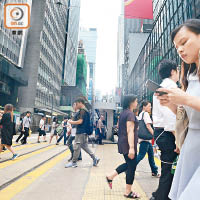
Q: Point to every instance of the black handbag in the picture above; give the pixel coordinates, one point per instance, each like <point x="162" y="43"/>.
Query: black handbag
<point x="143" y="132"/>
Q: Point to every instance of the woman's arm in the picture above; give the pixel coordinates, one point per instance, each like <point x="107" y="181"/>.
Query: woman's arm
<point x="178" y="97"/>
<point x="130" y="132"/>
<point x="193" y="102"/>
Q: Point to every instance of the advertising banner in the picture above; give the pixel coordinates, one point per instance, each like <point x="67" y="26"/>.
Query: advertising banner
<point x="139" y="9"/>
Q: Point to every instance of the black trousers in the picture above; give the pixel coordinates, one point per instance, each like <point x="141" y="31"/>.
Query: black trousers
<point x="20" y="136"/>
<point x="167" y="147"/>
<point x="100" y="136"/>
<point x="129" y="167"/>
<point x="26" y="134"/>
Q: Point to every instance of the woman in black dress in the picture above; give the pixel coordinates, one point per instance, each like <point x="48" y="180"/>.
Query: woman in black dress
<point x="7" y="130"/>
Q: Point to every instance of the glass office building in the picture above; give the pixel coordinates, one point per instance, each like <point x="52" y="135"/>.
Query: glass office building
<point x="12" y="52"/>
<point x="158" y="45"/>
<point x="44" y="57"/>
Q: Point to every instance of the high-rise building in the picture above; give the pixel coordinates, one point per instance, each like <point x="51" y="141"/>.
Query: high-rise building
<point x="72" y="31"/>
<point x="12" y="53"/>
<point x="89" y="39"/>
<point x="120" y="47"/>
<point x="82" y="67"/>
<point x="136" y="32"/>
<point x="44" y="56"/>
<point x="158" y="46"/>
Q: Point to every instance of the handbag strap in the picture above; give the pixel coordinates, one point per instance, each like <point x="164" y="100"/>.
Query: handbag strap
<point x="143" y="116"/>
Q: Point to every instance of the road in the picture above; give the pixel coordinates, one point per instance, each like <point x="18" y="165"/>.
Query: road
<point x="39" y="173"/>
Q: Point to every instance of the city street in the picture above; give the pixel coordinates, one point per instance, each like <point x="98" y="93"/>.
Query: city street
<point x="39" y="173"/>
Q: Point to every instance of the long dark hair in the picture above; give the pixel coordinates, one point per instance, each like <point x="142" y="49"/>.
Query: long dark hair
<point x="9" y="109"/>
<point x="143" y="104"/>
<point x="127" y="100"/>
<point x="194" y="26"/>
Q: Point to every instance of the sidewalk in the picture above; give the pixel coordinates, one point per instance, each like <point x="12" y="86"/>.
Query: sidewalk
<point x="97" y="188"/>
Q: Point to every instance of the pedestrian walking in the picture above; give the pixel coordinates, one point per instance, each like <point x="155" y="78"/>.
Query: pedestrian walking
<point x="7" y="130"/>
<point x="100" y="130"/>
<point x="186" y="39"/>
<point x="20" y="130"/>
<point x="164" y="121"/>
<point x="1" y="114"/>
<point x="41" y="130"/>
<point x="127" y="145"/>
<point x="66" y="131"/>
<point x="73" y="133"/>
<point x="81" y="138"/>
<point x="53" y="130"/>
<point x="145" y="145"/>
<point x="26" y="122"/>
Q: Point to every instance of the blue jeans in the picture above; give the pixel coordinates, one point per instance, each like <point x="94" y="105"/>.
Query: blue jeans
<point x="146" y="147"/>
<point x="64" y="134"/>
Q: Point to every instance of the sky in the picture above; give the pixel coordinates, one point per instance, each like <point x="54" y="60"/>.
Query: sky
<point x="103" y="15"/>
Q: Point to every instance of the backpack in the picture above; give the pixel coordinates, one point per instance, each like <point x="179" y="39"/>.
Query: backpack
<point x="90" y="128"/>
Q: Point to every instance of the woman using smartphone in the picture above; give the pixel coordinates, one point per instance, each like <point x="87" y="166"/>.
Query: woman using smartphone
<point x="186" y="39"/>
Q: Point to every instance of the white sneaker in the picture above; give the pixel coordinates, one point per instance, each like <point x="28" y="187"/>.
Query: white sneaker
<point x="71" y="165"/>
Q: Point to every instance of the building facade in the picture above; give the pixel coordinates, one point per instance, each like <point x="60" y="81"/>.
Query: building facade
<point x="135" y="35"/>
<point x="89" y="39"/>
<point x="82" y="66"/>
<point x="12" y="53"/>
<point x="72" y="31"/>
<point x="159" y="45"/>
<point x="120" y="50"/>
<point x="44" y="57"/>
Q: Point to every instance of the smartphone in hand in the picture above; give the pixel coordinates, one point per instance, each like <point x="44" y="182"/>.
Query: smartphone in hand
<point x="151" y="85"/>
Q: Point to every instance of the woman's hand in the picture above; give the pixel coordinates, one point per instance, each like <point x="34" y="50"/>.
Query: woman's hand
<point x="173" y="96"/>
<point x="131" y="153"/>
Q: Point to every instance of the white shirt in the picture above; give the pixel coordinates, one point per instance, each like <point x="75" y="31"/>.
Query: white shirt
<point x="68" y="125"/>
<point x="147" y="118"/>
<point x="26" y="122"/>
<point x="42" y="126"/>
<point x="163" y="117"/>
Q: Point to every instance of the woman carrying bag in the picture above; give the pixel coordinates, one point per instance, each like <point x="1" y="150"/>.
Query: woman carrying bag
<point x="7" y="130"/>
<point x="145" y="135"/>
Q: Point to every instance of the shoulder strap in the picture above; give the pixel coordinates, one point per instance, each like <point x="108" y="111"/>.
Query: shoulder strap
<point x="143" y="116"/>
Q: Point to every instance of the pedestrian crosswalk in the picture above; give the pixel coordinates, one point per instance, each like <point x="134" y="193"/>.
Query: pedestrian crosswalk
<point x="37" y="161"/>
<point x="23" y="157"/>
<point x="9" y="192"/>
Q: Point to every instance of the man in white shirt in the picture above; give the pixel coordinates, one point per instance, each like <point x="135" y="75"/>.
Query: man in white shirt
<point x="42" y="129"/>
<point x="164" y="121"/>
<point x="26" y="122"/>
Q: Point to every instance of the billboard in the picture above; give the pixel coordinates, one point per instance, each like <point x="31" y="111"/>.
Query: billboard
<point x="139" y="9"/>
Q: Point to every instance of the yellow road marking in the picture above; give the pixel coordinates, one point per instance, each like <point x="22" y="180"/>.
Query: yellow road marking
<point x="19" y="185"/>
<point x="11" y="162"/>
<point x="157" y="161"/>
<point x="22" y="147"/>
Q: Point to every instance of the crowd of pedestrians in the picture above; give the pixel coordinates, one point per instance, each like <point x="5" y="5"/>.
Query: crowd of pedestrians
<point x="173" y="107"/>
